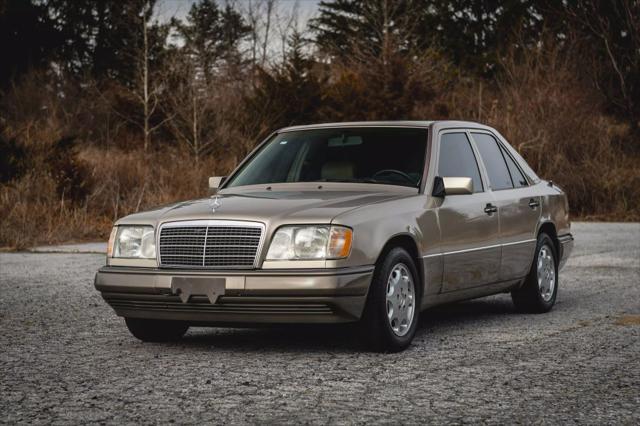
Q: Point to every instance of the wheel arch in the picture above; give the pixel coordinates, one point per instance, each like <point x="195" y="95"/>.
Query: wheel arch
<point x="407" y="242"/>
<point x="549" y="228"/>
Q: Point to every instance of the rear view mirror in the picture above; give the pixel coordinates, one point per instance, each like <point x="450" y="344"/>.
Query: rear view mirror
<point x="452" y="186"/>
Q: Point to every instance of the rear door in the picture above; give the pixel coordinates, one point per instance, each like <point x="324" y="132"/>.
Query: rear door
<point x="468" y="223"/>
<point x="518" y="206"/>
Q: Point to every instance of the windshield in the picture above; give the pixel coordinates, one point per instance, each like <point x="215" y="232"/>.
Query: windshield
<point x="383" y="155"/>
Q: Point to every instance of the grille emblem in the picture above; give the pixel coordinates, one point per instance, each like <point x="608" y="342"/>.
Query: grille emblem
<point x="215" y="203"/>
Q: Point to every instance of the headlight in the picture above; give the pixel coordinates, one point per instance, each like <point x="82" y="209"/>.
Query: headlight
<point x="132" y="242"/>
<point x="308" y="242"/>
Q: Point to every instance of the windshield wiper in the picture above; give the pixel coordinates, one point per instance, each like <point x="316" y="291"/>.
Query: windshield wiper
<point x="368" y="180"/>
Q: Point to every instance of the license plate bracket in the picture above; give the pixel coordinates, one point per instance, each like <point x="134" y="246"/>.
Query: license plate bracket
<point x="185" y="287"/>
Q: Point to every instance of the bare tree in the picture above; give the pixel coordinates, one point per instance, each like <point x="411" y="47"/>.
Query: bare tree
<point x="190" y="102"/>
<point x="149" y="100"/>
<point x="287" y="24"/>
<point x="615" y="26"/>
<point x="259" y="15"/>
<point x="145" y="89"/>
<point x="267" y="27"/>
<point x="252" y="15"/>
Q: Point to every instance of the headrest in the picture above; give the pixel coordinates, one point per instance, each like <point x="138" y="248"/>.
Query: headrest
<point x="337" y="170"/>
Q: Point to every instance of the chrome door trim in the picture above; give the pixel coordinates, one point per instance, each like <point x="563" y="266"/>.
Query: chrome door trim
<point x="447" y="253"/>
<point x="532" y="240"/>
<point x="493" y="246"/>
<point x="429" y="256"/>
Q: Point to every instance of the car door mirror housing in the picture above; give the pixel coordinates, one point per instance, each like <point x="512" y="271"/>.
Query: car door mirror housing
<point x="215" y="182"/>
<point x="452" y="186"/>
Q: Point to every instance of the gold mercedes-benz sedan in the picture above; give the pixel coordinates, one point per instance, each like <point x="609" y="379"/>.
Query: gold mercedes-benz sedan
<point x="368" y="222"/>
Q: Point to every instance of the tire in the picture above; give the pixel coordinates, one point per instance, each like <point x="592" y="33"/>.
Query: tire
<point x="381" y="333"/>
<point x="539" y="291"/>
<point x="149" y="330"/>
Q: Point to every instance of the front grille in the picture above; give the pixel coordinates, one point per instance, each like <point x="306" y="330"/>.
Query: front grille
<point x="215" y="245"/>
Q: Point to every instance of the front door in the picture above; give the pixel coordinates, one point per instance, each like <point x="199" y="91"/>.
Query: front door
<point x="469" y="223"/>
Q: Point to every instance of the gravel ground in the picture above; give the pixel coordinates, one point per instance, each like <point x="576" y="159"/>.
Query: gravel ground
<point x="96" y="248"/>
<point x="66" y="358"/>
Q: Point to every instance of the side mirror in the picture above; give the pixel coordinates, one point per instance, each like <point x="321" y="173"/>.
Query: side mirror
<point x="215" y="182"/>
<point x="452" y="186"/>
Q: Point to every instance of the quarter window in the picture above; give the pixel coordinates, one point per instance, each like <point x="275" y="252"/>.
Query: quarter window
<point x="516" y="175"/>
<point x="499" y="177"/>
<point x="458" y="160"/>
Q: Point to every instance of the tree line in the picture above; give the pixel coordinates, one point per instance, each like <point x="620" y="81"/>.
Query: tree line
<point x="107" y="77"/>
<point x="119" y="46"/>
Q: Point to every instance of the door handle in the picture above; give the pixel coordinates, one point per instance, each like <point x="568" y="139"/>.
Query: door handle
<point x="533" y="203"/>
<point x="490" y="209"/>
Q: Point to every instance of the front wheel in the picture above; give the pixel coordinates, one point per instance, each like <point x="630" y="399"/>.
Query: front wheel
<point x="539" y="291"/>
<point x="149" y="330"/>
<point x="391" y="314"/>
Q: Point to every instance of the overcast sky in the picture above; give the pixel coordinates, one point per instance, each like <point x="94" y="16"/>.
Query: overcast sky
<point x="166" y="9"/>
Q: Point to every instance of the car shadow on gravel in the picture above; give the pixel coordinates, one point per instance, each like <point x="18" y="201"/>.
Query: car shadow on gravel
<point x="469" y="310"/>
<point x="294" y="338"/>
<point x="465" y="313"/>
<point x="339" y="337"/>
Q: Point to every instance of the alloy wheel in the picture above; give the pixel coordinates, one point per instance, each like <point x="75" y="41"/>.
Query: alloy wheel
<point x="546" y="273"/>
<point x="400" y="299"/>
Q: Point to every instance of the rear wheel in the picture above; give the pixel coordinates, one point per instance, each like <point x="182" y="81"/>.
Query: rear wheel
<point x="392" y="310"/>
<point x="149" y="330"/>
<point x="539" y="291"/>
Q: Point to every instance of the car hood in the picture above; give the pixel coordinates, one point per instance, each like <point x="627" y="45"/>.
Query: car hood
<point x="278" y="204"/>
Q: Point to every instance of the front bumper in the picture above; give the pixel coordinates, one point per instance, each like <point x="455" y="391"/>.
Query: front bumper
<point x="250" y="297"/>
<point x="566" y="247"/>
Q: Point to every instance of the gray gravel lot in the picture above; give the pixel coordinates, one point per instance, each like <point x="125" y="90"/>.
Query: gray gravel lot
<point x="66" y="358"/>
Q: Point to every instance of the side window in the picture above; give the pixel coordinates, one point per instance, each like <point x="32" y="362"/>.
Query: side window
<point x="458" y="160"/>
<point x="499" y="177"/>
<point x="516" y="175"/>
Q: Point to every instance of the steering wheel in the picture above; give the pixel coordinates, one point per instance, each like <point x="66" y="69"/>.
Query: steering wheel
<point x="394" y="171"/>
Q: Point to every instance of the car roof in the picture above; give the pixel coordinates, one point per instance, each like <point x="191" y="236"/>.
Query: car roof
<point x="396" y="123"/>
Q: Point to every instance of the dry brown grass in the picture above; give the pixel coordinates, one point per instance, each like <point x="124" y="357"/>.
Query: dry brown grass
<point x="627" y="320"/>
<point x="118" y="182"/>
<point x="78" y="177"/>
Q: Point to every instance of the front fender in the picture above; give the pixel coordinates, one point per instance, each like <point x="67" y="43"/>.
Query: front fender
<point x="375" y="225"/>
